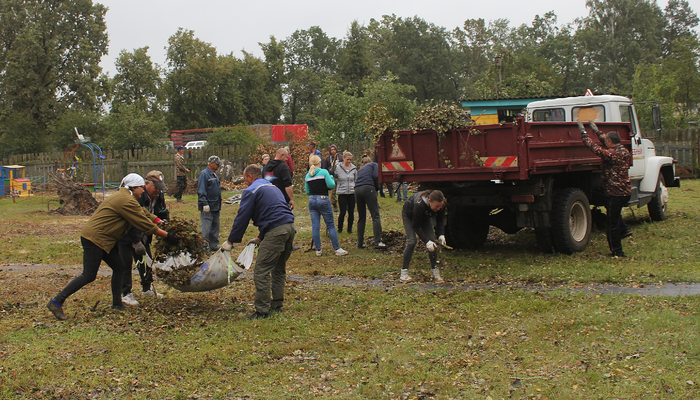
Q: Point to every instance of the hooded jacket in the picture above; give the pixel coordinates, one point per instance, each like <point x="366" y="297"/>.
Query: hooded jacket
<point x="345" y="179"/>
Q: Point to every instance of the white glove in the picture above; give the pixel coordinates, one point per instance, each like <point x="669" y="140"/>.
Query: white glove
<point x="255" y="241"/>
<point x="205" y="208"/>
<point x="227" y="246"/>
<point x="431" y="246"/>
<point x="442" y="240"/>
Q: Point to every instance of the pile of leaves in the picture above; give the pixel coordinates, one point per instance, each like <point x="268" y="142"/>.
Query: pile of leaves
<point x="187" y="240"/>
<point x="394" y="240"/>
<point x="75" y="199"/>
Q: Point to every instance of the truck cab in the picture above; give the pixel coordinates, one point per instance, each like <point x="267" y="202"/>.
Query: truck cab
<point x="649" y="173"/>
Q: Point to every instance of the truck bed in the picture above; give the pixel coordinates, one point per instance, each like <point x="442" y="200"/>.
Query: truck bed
<point x="515" y="151"/>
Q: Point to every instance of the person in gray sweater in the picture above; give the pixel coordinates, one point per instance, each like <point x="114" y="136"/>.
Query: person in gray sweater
<point x="345" y="174"/>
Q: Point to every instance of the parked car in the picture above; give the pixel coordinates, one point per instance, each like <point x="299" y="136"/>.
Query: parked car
<point x="196" y="144"/>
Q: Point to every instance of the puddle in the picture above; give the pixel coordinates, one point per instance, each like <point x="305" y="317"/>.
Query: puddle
<point x="662" y="289"/>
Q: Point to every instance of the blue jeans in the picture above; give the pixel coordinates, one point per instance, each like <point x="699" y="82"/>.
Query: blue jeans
<point x="210" y="228"/>
<point x="321" y="206"/>
<point x="400" y="185"/>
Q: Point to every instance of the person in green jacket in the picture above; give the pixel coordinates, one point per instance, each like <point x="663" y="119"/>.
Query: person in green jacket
<point x="99" y="238"/>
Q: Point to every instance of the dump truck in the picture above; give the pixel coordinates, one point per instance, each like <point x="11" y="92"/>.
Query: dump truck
<point x="535" y="172"/>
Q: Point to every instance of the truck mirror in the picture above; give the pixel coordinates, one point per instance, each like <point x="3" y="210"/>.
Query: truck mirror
<point x="656" y="116"/>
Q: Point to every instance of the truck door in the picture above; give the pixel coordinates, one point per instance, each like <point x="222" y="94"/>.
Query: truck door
<point x="627" y="114"/>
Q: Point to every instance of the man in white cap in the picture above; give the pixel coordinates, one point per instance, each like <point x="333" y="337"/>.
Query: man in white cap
<point x="209" y="202"/>
<point x="99" y="237"/>
<point x="135" y="244"/>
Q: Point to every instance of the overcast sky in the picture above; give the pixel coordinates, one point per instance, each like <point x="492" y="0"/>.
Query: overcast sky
<point x="232" y="26"/>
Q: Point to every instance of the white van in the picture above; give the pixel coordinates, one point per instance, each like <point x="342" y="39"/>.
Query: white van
<point x="196" y="144"/>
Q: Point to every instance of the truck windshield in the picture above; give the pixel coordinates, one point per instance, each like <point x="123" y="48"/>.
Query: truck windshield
<point x="549" y="114"/>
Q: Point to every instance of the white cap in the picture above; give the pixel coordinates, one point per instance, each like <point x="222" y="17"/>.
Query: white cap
<point x="132" y="180"/>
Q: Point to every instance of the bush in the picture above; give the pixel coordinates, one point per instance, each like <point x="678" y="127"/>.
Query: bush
<point x="233" y="136"/>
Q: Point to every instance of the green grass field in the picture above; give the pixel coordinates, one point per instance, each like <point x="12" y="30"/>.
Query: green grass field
<point x="385" y="340"/>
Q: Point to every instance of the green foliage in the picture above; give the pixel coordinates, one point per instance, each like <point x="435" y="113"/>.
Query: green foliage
<point x="346" y="111"/>
<point x="132" y="128"/>
<point x="619" y="34"/>
<point x="377" y="121"/>
<point x="233" y="136"/>
<point x="49" y="64"/>
<point x="138" y="81"/>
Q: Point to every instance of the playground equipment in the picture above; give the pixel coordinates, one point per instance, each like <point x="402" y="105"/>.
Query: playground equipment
<point x="14" y="182"/>
<point x="97" y="163"/>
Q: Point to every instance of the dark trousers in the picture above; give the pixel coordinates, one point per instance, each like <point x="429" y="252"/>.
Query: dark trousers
<point x="181" y="186"/>
<point x="92" y="257"/>
<point x="346" y="203"/>
<point x="390" y="188"/>
<point x="366" y="198"/>
<point x="128" y="255"/>
<point x="411" y="240"/>
<point x="270" y="271"/>
<point x="616" y="224"/>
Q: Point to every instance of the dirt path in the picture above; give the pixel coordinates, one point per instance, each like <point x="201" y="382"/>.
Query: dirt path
<point x="664" y="289"/>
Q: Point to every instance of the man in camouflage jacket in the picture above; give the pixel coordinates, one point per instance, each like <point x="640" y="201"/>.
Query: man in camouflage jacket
<point x="618" y="187"/>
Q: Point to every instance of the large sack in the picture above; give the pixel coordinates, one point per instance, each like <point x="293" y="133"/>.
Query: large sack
<point x="218" y="271"/>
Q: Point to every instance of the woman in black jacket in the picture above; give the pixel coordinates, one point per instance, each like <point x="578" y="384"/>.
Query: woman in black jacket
<point x="423" y="214"/>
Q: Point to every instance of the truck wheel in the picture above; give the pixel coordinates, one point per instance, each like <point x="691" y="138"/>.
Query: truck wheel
<point x="545" y="243"/>
<point x="659" y="202"/>
<point x="571" y="220"/>
<point x="467" y="228"/>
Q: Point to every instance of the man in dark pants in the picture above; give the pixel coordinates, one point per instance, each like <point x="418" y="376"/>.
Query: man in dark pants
<point x="618" y="187"/>
<point x="209" y="202"/>
<point x="366" y="187"/>
<point x="264" y="204"/>
<point x="180" y="173"/>
<point x="134" y="245"/>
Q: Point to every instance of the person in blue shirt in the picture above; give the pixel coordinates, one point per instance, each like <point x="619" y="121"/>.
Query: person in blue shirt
<point x="209" y="202"/>
<point x="366" y="188"/>
<point x="317" y="183"/>
<point x="265" y="205"/>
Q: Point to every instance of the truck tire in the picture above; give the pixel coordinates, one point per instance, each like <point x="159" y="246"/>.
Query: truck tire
<point x="467" y="228"/>
<point x="659" y="202"/>
<point x="571" y="220"/>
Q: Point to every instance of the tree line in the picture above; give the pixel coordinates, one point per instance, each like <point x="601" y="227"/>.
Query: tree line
<point x="51" y="81"/>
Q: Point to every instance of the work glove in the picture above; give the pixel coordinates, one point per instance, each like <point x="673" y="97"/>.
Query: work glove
<point x="227" y="246"/>
<point x="431" y="246"/>
<point x="139" y="249"/>
<point x="163" y="222"/>
<point x="255" y="241"/>
<point x="442" y="240"/>
<point x="593" y="126"/>
<point x="581" y="128"/>
<point x="170" y="237"/>
<point x="205" y="208"/>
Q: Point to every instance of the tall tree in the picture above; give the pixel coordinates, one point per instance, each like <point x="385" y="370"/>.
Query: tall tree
<point x="274" y="62"/>
<point x="356" y="63"/>
<point x="418" y="53"/>
<point x="310" y="57"/>
<point x="617" y="35"/>
<point x="191" y="82"/>
<point x="49" y="64"/>
<point x="138" y="81"/>
<point x="680" y="22"/>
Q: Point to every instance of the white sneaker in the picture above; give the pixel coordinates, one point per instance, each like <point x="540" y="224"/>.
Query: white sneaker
<point x="405" y="277"/>
<point x="129" y="300"/>
<point x="341" y="252"/>
<point x="436" y="276"/>
<point x="318" y="253"/>
<point x="151" y="292"/>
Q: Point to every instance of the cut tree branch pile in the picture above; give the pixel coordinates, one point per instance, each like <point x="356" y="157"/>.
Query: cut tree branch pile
<point x="75" y="199"/>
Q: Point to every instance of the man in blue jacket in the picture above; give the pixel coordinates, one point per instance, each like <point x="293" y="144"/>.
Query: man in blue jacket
<point x="265" y="205"/>
<point x="209" y="202"/>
